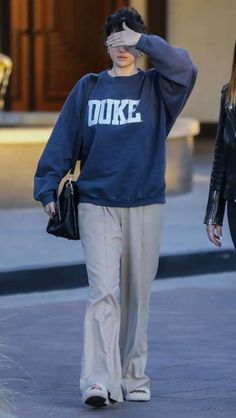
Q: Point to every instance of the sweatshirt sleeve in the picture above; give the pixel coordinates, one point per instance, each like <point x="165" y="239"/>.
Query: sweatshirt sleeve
<point x="56" y="159"/>
<point x="176" y="74"/>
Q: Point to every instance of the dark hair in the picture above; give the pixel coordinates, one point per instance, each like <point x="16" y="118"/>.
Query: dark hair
<point x="130" y="16"/>
<point x="232" y="84"/>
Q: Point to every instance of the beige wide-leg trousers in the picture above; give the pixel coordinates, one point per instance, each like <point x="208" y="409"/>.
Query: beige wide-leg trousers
<point x="121" y="249"/>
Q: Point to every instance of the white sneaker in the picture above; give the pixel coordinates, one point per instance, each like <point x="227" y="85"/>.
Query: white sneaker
<point x="96" y="396"/>
<point x="138" y="395"/>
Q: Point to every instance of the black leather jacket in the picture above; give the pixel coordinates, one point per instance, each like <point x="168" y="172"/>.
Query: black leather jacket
<point x="223" y="174"/>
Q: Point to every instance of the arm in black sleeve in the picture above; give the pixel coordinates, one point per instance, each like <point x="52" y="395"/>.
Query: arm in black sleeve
<point x="216" y="202"/>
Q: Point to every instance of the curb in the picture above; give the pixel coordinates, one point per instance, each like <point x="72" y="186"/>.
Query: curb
<point x="69" y="276"/>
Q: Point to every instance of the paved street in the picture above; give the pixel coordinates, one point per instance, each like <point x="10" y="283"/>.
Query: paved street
<point x="192" y="351"/>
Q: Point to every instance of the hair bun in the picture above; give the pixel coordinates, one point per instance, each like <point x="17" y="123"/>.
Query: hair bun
<point x="130" y="16"/>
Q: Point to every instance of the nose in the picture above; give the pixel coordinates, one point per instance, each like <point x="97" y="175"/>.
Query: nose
<point x="121" y="49"/>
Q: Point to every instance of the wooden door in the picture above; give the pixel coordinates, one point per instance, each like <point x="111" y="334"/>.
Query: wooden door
<point x="53" y="43"/>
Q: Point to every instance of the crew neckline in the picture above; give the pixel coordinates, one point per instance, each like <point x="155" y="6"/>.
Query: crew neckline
<point x="123" y="78"/>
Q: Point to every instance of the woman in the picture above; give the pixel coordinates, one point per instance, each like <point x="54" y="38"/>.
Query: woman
<point x="122" y="194"/>
<point x="223" y="175"/>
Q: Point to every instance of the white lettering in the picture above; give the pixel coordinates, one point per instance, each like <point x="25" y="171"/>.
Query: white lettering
<point x="113" y="112"/>
<point x="94" y="106"/>
<point x="133" y="104"/>
<point x="118" y="114"/>
<point x="105" y="119"/>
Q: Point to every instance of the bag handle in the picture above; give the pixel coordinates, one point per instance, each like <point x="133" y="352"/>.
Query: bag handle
<point x="88" y="90"/>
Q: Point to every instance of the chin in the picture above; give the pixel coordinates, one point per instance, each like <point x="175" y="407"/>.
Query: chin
<point x="123" y="64"/>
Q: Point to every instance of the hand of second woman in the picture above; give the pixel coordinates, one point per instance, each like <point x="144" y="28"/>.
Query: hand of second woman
<point x="214" y="233"/>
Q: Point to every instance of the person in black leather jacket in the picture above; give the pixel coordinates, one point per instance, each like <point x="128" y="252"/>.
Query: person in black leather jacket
<point x="223" y="176"/>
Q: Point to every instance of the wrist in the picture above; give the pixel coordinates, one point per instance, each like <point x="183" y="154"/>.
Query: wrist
<point x="138" y="38"/>
<point x="140" y="45"/>
<point x="47" y="198"/>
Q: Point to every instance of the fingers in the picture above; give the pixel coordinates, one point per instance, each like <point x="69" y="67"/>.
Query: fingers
<point x="219" y="230"/>
<point x="214" y="234"/>
<point x="114" y="36"/>
<point x="50" y="209"/>
<point x="120" y="38"/>
<point x="126" y="37"/>
<point x="115" y="40"/>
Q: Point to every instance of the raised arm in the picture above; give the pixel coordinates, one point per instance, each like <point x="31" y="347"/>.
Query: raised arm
<point x="175" y="73"/>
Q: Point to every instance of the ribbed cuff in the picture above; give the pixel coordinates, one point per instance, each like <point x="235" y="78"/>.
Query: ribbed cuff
<point x="142" y="42"/>
<point x="47" y="198"/>
<point x="215" y="208"/>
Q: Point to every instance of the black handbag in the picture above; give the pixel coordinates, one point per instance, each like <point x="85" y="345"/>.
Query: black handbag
<point x="65" y="221"/>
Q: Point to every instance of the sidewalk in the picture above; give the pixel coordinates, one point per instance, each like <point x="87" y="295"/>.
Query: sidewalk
<point x="192" y="352"/>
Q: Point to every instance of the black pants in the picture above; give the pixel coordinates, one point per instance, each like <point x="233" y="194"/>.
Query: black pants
<point x="231" y="212"/>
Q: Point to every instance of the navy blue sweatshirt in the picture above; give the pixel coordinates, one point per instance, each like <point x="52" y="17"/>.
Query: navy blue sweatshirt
<point x="127" y="120"/>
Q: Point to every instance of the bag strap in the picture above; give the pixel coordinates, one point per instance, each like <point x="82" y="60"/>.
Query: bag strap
<point x="88" y="90"/>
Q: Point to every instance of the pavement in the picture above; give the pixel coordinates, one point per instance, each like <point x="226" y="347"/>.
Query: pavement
<point x="191" y="361"/>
